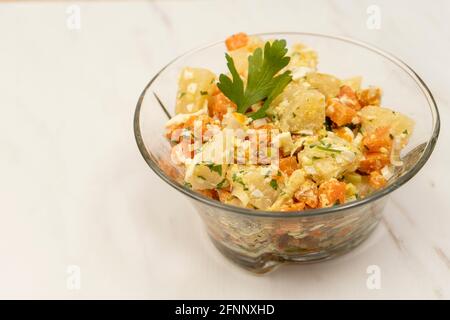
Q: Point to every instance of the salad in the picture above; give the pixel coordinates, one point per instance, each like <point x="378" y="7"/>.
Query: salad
<point x="273" y="133"/>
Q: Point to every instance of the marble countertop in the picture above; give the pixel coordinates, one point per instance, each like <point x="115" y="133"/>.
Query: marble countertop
<point x="82" y="215"/>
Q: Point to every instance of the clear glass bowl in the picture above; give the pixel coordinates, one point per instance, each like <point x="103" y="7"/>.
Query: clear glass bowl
<point x="260" y="240"/>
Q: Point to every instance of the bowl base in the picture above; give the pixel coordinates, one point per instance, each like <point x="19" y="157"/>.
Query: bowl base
<point x="267" y="262"/>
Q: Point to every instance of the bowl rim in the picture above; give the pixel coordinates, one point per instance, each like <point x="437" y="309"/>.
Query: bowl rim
<point x="430" y="144"/>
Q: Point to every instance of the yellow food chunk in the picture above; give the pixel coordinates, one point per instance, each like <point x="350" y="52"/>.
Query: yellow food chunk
<point x="299" y="109"/>
<point x="328" y="157"/>
<point x="256" y="186"/>
<point x="327" y="84"/>
<point x="373" y="117"/>
<point x="195" y="85"/>
<point x="302" y="56"/>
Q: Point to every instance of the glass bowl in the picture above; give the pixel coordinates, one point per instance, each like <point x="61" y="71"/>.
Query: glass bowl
<point x="261" y="240"/>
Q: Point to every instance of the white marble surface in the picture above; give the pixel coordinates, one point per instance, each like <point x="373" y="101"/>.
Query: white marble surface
<point x="74" y="189"/>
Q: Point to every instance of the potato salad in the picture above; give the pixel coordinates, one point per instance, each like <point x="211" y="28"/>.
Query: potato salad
<point x="273" y="133"/>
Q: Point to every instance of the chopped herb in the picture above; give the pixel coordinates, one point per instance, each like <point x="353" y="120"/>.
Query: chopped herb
<point x="203" y="93"/>
<point x="239" y="180"/>
<point x="220" y="184"/>
<point x="405" y="131"/>
<point x="182" y="94"/>
<point x="273" y="183"/>
<point x="391" y="136"/>
<point x="215" y="168"/>
<point x="188" y="185"/>
<point x="328" y="149"/>
<point x="263" y="83"/>
<point x="316" y="158"/>
<point x="201" y="177"/>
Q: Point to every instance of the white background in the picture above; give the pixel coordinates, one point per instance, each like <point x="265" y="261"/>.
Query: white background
<point x="74" y="190"/>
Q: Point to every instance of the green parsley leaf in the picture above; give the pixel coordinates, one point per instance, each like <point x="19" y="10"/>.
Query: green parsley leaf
<point x="215" y="168"/>
<point x="203" y="93"/>
<point x="273" y="183"/>
<point x="262" y="82"/>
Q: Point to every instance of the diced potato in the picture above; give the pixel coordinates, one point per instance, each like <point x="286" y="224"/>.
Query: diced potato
<point x="373" y="117"/>
<point x="240" y="55"/>
<point x="296" y="179"/>
<point x="299" y="109"/>
<point x="329" y="157"/>
<point x="327" y="84"/>
<point x="207" y="170"/>
<point x="302" y="56"/>
<point x="194" y="87"/>
<point x="257" y="186"/>
<point x="285" y="142"/>
<point x="254" y="42"/>
<point x="354" y="83"/>
<point x="240" y="58"/>
<point x="203" y="176"/>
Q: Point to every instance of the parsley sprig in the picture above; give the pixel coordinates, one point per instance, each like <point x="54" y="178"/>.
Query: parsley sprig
<point x="263" y="83"/>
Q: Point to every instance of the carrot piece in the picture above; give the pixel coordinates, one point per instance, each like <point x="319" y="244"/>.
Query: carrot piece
<point x="344" y="133"/>
<point x="340" y="113"/>
<point x="373" y="161"/>
<point x="223" y="195"/>
<point x="236" y="41"/>
<point x="370" y="97"/>
<point x="288" y="165"/>
<point x="348" y="97"/>
<point x="378" y="141"/>
<point x="219" y="104"/>
<point x="331" y="192"/>
<point x="377" y="180"/>
<point x="210" y="193"/>
<point x="308" y="193"/>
